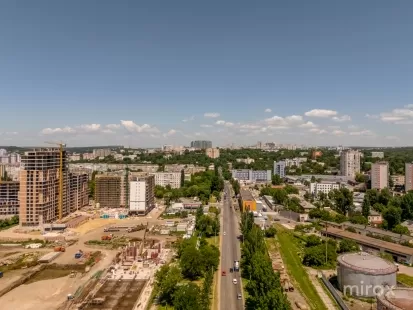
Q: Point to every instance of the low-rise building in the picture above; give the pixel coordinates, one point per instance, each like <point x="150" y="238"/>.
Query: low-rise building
<point x="247" y="201"/>
<point x="375" y="218"/>
<point x="398" y="180"/>
<point x="245" y="160"/>
<point x="252" y="175"/>
<point x="212" y="152"/>
<point x="173" y="179"/>
<point x="295" y="161"/>
<point x="324" y="187"/>
<point x="377" y="154"/>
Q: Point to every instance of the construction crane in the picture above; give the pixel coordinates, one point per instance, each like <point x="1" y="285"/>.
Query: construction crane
<point x="61" y="146"/>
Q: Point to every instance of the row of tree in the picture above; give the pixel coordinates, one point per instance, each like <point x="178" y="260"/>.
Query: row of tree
<point x="6" y="223"/>
<point x="264" y="288"/>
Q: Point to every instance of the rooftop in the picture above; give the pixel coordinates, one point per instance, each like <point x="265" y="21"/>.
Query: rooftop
<point x="367" y="263"/>
<point x="246" y="195"/>
<point x="401" y="298"/>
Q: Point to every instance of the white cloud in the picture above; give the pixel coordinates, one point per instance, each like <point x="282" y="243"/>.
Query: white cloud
<point x="212" y="115"/>
<point x="409" y="106"/>
<point x="338" y="133"/>
<point x="224" y="123"/>
<point x="189" y="119"/>
<point x="397" y="116"/>
<point x="361" y="133"/>
<point x="284" y="122"/>
<point x="317" y="131"/>
<point x="308" y="125"/>
<point x="267" y="110"/>
<point x="110" y="131"/>
<point x="344" y="118"/>
<point x="372" y="116"/>
<point x="132" y="127"/>
<point x="64" y="130"/>
<point x="170" y="133"/>
<point x="320" y="113"/>
<point x="89" y="127"/>
<point x="113" y="126"/>
<point x="205" y="126"/>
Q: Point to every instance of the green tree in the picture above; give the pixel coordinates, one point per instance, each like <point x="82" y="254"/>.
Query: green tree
<point x="347" y="245"/>
<point x="182" y="178"/>
<point x="191" y="263"/>
<point x="166" y="281"/>
<point x="270" y="232"/>
<point x="393" y="216"/>
<point x="401" y="230"/>
<point x="313" y="240"/>
<point x="358" y="219"/>
<point x="187" y="297"/>
<point x="366" y="207"/>
<point x="276" y="180"/>
<point x="210" y="257"/>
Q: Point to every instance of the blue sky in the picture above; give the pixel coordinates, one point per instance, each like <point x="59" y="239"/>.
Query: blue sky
<point x="145" y="74"/>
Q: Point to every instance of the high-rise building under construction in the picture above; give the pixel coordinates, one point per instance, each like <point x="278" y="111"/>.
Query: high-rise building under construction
<point x="39" y="195"/>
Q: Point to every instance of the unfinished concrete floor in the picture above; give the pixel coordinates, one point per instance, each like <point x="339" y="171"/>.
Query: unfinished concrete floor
<point x="119" y="295"/>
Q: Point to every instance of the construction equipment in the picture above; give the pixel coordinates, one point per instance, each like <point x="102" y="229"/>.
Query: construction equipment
<point x="59" y="249"/>
<point x="106" y="238"/>
<point x="143" y="240"/>
<point x="61" y="147"/>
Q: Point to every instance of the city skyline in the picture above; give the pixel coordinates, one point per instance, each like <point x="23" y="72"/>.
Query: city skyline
<point x="146" y="75"/>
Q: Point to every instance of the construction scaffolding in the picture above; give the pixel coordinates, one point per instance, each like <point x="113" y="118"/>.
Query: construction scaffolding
<point x="108" y="191"/>
<point x="9" y="198"/>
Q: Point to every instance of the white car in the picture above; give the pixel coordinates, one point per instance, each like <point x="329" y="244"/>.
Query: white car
<point x="234" y="281"/>
<point x="225" y="233"/>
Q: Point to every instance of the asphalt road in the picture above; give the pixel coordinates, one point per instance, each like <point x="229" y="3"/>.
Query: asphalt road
<point x="230" y="251"/>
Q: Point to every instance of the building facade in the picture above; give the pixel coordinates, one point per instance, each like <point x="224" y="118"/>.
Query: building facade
<point x="201" y="144"/>
<point x="78" y="190"/>
<point x="212" y="152"/>
<point x="380" y="175"/>
<point x="142" y="195"/>
<point x="9" y="198"/>
<point x="248" y="202"/>
<point x="39" y="190"/>
<point x="408" y="185"/>
<point x="252" y="175"/>
<point x="279" y="168"/>
<point x="173" y="179"/>
<point x="350" y="163"/>
<point x="101" y="152"/>
<point x="108" y="191"/>
<point x="324" y="187"/>
<point x="377" y="154"/>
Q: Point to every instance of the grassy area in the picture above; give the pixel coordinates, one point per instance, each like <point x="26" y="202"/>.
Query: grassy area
<point x="405" y="279"/>
<point x="289" y="252"/>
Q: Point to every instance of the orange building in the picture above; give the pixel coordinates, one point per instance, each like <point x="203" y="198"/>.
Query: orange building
<point x="247" y="201"/>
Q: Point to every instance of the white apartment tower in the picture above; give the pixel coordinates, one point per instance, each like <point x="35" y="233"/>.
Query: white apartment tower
<point x="350" y="163"/>
<point x="379" y="175"/>
<point x="142" y="194"/>
<point x="408" y="185"/>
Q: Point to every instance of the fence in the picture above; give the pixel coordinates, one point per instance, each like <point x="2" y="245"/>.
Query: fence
<point x="334" y="293"/>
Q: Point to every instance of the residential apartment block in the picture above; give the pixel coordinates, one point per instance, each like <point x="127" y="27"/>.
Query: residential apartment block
<point x="9" y="198"/>
<point x="324" y="187"/>
<point x="108" y="191"/>
<point x="78" y="191"/>
<point x="173" y="179"/>
<point x="252" y="175"/>
<point x="279" y="168"/>
<point x="295" y="161"/>
<point x="408" y="185"/>
<point x="101" y="152"/>
<point x="350" y="163"/>
<point x="39" y="191"/>
<point x="212" y="152"/>
<point x="142" y="194"/>
<point x="201" y="144"/>
<point x="380" y="175"/>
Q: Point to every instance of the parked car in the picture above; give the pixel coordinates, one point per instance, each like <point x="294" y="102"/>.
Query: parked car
<point x="234" y="281"/>
<point x="224" y="273"/>
<point x="239" y="296"/>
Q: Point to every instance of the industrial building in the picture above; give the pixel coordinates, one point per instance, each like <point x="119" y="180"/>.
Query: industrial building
<point x="78" y="190"/>
<point x="108" y="191"/>
<point x="173" y="179"/>
<point x="201" y="144"/>
<point x="251" y="175"/>
<point x="43" y="191"/>
<point x="142" y="194"/>
<point x="247" y="201"/>
<point x="9" y="198"/>
<point x="380" y="175"/>
<point x="350" y="163"/>
<point x="398" y="298"/>
<point x="400" y="253"/>
<point x="364" y="275"/>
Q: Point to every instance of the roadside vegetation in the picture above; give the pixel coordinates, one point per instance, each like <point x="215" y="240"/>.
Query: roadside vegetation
<point x="264" y="290"/>
<point x="7" y="223"/>
<point x="405" y="279"/>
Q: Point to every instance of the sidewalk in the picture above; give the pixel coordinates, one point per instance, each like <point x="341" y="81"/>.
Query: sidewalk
<point x="320" y="290"/>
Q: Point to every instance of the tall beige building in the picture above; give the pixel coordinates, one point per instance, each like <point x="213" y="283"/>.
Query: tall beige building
<point x="380" y="175"/>
<point x="408" y="185"/>
<point x="39" y="187"/>
<point x="350" y="163"/>
<point x="108" y="190"/>
<point x="212" y="152"/>
<point x="79" y="191"/>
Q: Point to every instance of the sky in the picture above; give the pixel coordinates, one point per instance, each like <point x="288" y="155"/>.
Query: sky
<point x="148" y="73"/>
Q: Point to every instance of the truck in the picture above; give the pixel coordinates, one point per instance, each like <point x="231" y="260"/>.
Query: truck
<point x="236" y="265"/>
<point x="106" y="237"/>
<point x="110" y="229"/>
<point x="59" y="249"/>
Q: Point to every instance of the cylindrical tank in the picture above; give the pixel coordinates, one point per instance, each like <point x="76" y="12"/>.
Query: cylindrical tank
<point x="396" y="299"/>
<point x="364" y="275"/>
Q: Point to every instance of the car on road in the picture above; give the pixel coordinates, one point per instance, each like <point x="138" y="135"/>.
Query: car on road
<point x="225" y="233"/>
<point x="224" y="273"/>
<point x="234" y="281"/>
<point x="239" y="296"/>
<point x="230" y="269"/>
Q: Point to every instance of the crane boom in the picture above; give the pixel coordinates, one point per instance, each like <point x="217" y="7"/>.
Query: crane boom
<point x="61" y="146"/>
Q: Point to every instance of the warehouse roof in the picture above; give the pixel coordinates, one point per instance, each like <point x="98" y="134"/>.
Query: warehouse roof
<point x="246" y="195"/>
